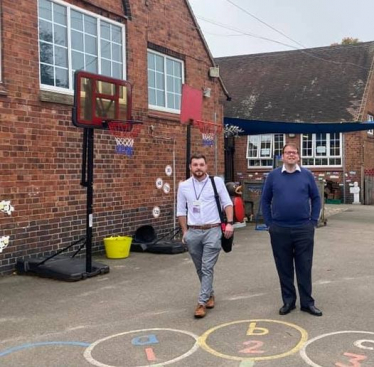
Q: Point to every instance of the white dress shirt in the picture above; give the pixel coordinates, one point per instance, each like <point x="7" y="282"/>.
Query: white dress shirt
<point x="199" y="198"/>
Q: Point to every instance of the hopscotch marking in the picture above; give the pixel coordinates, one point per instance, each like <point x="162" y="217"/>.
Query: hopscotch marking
<point x="254" y="345"/>
<point x="88" y="352"/>
<point x="354" y="358"/>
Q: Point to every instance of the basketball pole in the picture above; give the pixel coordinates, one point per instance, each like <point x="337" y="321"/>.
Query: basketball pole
<point x="188" y="150"/>
<point x="87" y="182"/>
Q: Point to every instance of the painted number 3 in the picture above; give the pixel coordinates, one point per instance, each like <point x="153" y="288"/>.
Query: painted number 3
<point x="355" y="360"/>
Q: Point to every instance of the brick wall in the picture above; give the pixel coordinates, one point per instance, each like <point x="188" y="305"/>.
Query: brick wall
<point x="40" y="150"/>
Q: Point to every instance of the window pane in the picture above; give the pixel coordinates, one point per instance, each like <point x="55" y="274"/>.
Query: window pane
<point x="159" y="63"/>
<point x="321" y="145"/>
<point x="60" y="36"/>
<point x="307" y="149"/>
<point x="91" y="64"/>
<point x="151" y="96"/>
<point x="116" y="34"/>
<point x="160" y="81"/>
<point x="62" y="78"/>
<point x="77" y="41"/>
<point x="46" y="74"/>
<point x="59" y="14"/>
<point x="117" y="53"/>
<point x="170" y="84"/>
<point x="160" y="97"/>
<point x="105" y="49"/>
<point x="105" y="67"/>
<point x="46" y="53"/>
<point x="151" y="79"/>
<point x="61" y="56"/>
<point x="90" y="25"/>
<point x="169" y="67"/>
<point x="45" y="9"/>
<point x="45" y="31"/>
<point x="170" y="100"/>
<point x="105" y="31"/>
<point x="76" y="20"/>
<point x="265" y="146"/>
<point x="253" y="146"/>
<point x="117" y="70"/>
<point x="78" y="60"/>
<point x="90" y="45"/>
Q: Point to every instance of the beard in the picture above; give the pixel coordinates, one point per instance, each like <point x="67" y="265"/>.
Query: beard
<point x="198" y="174"/>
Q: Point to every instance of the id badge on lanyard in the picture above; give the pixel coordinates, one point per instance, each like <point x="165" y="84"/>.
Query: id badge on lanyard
<point x="196" y="206"/>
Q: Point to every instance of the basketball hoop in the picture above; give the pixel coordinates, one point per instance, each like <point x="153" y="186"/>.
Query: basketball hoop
<point x="124" y="133"/>
<point x="208" y="131"/>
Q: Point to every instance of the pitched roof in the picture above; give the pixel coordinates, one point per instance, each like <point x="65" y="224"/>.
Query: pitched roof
<point x="318" y="84"/>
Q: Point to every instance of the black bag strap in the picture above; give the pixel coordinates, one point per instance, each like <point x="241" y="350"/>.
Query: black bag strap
<point x="216" y="196"/>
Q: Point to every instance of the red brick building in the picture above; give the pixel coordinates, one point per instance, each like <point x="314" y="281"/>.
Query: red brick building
<point x="320" y="85"/>
<point x="155" y="45"/>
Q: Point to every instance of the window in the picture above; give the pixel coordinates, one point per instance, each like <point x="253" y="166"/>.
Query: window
<point x="261" y="149"/>
<point x="321" y="149"/>
<point x="370" y="118"/>
<point x="165" y="79"/>
<point x="71" y="39"/>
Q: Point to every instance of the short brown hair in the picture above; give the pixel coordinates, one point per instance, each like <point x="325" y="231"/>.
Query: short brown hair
<point x="197" y="156"/>
<point x="293" y="145"/>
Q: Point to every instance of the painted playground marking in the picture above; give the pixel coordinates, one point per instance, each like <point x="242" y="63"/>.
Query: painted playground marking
<point x="252" y="347"/>
<point x="345" y="358"/>
<point x="143" y="340"/>
<point x="33" y="345"/>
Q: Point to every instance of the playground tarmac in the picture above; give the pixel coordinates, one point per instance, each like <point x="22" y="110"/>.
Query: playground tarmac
<point x="141" y="312"/>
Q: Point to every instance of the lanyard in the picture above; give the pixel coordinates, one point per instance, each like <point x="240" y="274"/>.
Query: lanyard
<point x="194" y="189"/>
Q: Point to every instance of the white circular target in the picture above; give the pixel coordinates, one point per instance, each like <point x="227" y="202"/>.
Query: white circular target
<point x="156" y="212"/>
<point x="168" y="170"/>
<point x="159" y="183"/>
<point x="166" y="188"/>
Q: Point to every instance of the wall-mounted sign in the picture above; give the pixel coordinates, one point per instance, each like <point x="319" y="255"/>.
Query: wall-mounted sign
<point x="168" y="170"/>
<point x="166" y="188"/>
<point x="159" y="183"/>
<point x="156" y="211"/>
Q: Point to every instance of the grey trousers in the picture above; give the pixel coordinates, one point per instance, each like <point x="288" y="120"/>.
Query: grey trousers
<point x="204" y="247"/>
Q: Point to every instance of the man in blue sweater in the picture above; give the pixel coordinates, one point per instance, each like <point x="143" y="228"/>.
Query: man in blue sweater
<point x="291" y="205"/>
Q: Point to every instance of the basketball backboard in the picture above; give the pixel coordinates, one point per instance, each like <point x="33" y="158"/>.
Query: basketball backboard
<point x="192" y="104"/>
<point x="99" y="99"/>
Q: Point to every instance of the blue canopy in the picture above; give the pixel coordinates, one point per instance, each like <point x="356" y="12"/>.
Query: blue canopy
<point x="255" y="127"/>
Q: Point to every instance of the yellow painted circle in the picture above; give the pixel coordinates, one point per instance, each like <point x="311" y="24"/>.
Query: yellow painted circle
<point x="203" y="344"/>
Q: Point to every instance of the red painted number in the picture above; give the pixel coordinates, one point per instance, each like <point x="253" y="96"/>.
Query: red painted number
<point x="355" y="360"/>
<point x="252" y="349"/>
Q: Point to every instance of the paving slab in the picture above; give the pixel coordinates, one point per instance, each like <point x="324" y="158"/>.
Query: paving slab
<point x="141" y="312"/>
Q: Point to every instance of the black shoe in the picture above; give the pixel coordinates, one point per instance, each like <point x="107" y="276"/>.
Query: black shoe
<point x="312" y="310"/>
<point x="286" y="308"/>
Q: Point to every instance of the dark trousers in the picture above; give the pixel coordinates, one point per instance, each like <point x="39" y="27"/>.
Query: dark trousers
<point x="294" y="246"/>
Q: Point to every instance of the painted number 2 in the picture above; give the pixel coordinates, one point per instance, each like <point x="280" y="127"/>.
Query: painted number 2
<point x="355" y="360"/>
<point x="253" y="348"/>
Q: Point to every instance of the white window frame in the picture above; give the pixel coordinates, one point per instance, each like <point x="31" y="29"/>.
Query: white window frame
<point x="69" y="8"/>
<point x="177" y="94"/>
<point x="314" y="155"/>
<point x="262" y="154"/>
<point x="370" y="118"/>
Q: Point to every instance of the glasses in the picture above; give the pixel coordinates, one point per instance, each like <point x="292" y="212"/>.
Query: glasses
<point x="291" y="152"/>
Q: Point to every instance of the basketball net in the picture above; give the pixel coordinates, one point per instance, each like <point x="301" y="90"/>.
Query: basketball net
<point x="124" y="134"/>
<point x="208" y="131"/>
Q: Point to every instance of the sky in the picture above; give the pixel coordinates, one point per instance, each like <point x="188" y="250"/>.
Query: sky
<point x="241" y="27"/>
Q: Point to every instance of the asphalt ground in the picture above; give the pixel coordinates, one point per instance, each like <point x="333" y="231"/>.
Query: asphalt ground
<point x="141" y="312"/>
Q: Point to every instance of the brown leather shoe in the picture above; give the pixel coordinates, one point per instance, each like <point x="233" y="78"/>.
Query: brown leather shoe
<point x="200" y="311"/>
<point x="210" y="303"/>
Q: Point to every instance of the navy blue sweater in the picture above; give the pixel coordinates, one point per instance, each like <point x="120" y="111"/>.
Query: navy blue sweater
<point x="290" y="199"/>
